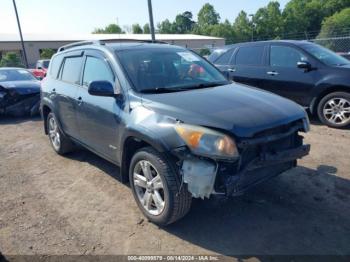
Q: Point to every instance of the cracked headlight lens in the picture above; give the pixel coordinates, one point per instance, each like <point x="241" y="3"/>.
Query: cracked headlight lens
<point x="206" y="142"/>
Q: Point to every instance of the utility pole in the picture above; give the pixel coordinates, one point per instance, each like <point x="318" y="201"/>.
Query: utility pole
<point x="251" y="15"/>
<point x="151" y="24"/>
<point x="21" y="36"/>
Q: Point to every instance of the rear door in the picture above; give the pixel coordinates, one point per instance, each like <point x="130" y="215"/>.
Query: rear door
<point x="249" y="65"/>
<point x="284" y="78"/>
<point x="98" y="116"/>
<point x="65" y="91"/>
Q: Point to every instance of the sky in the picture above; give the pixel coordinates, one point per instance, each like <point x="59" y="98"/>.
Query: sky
<point x="83" y="16"/>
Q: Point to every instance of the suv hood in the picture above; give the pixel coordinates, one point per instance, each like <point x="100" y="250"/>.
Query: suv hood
<point x="243" y="111"/>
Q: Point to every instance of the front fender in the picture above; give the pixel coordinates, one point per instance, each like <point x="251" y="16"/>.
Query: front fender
<point x="152" y="128"/>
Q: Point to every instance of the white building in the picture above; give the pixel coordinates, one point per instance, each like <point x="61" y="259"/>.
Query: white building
<point x="34" y="43"/>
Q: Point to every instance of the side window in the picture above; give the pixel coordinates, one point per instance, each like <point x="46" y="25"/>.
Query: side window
<point x="96" y="69"/>
<point x="55" y="66"/>
<point x="250" y="55"/>
<point x="71" y="69"/>
<point x="225" y="58"/>
<point x="285" y="56"/>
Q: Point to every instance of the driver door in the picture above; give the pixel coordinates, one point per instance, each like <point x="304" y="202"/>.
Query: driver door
<point x="284" y="78"/>
<point x="98" y="116"/>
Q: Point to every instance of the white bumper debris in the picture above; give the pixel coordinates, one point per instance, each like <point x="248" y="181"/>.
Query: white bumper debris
<point x="199" y="175"/>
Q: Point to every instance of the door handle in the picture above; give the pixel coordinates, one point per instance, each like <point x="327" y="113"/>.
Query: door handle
<point x="231" y="70"/>
<point x="272" y="73"/>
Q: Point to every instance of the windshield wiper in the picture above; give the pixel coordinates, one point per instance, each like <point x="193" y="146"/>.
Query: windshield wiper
<point x="203" y="85"/>
<point x="159" y="90"/>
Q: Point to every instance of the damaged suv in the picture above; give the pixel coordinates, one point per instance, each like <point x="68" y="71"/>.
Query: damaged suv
<point x="176" y="127"/>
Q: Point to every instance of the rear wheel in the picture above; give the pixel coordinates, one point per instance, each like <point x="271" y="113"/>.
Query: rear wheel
<point x="157" y="188"/>
<point x="334" y="109"/>
<point x="60" y="143"/>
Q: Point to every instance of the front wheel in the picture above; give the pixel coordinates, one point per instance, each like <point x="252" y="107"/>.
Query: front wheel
<point x="156" y="187"/>
<point x="334" y="109"/>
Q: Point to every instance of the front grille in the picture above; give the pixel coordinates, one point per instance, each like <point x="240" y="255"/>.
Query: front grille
<point x="253" y="151"/>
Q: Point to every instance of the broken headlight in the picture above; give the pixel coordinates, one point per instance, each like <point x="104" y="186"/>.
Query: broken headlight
<point x="207" y="142"/>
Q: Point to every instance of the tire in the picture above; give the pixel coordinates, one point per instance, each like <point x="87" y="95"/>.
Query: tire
<point x="334" y="110"/>
<point x="176" y="199"/>
<point x="59" y="142"/>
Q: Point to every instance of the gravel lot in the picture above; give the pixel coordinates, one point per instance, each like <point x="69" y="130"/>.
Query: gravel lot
<point x="57" y="205"/>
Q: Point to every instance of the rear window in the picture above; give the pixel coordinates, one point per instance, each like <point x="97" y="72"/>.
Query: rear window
<point x="55" y="66"/>
<point x="71" y="69"/>
<point x="250" y="55"/>
<point x="225" y="58"/>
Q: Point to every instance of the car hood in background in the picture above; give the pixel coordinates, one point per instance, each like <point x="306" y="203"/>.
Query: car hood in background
<point x="22" y="87"/>
<point x="241" y="110"/>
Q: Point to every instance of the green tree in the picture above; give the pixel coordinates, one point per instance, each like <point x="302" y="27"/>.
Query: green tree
<point x="268" y="22"/>
<point x="335" y="25"/>
<point x="306" y="16"/>
<point x="183" y="23"/>
<point x="11" y="59"/>
<point x="166" y="27"/>
<point x="146" y="29"/>
<point x="224" y="30"/>
<point x="242" y="27"/>
<point x="109" y="29"/>
<point x="47" y="53"/>
<point x="136" y="29"/>
<point x="207" y="16"/>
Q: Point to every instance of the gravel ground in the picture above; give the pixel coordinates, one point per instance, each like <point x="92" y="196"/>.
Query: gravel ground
<point x="57" y="205"/>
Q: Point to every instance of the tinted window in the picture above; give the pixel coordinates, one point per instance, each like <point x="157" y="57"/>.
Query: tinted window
<point x="71" y="69"/>
<point x="164" y="69"/>
<point x="251" y="55"/>
<point x="55" y="66"/>
<point x="96" y="69"/>
<point x="225" y="58"/>
<point x="285" y="56"/>
<point x="15" y="75"/>
<point x="325" y="55"/>
<point x="46" y="63"/>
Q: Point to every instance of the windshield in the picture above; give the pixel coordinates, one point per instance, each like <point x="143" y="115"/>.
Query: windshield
<point x="325" y="55"/>
<point x="15" y="75"/>
<point x="166" y="70"/>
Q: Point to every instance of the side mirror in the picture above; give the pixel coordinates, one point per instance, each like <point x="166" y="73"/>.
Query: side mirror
<point x="101" y="88"/>
<point x="39" y="67"/>
<point x="304" y="65"/>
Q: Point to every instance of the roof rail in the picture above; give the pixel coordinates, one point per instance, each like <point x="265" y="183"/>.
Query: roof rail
<point x="104" y="41"/>
<point x="81" y="43"/>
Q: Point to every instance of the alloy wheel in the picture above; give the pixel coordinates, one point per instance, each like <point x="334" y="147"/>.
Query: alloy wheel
<point x="149" y="187"/>
<point x="54" y="134"/>
<point x="337" y="111"/>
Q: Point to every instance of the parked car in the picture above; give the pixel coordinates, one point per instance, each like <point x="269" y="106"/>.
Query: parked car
<point x="345" y="55"/>
<point x="41" y="68"/>
<point x="309" y="74"/>
<point x="19" y="92"/>
<point x="176" y="127"/>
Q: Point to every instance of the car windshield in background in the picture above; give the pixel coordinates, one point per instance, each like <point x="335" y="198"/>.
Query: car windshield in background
<point x="325" y="55"/>
<point x="15" y="75"/>
<point x="46" y="64"/>
<point x="168" y="70"/>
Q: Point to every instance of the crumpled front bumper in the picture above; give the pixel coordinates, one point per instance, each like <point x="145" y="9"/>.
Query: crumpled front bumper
<point x="21" y="106"/>
<point x="265" y="166"/>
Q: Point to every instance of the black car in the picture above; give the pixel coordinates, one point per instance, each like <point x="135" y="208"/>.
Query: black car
<point x="173" y="123"/>
<point x="304" y="72"/>
<point x="19" y="92"/>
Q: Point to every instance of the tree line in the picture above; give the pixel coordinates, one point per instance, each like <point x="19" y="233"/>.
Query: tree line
<point x="300" y="19"/>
